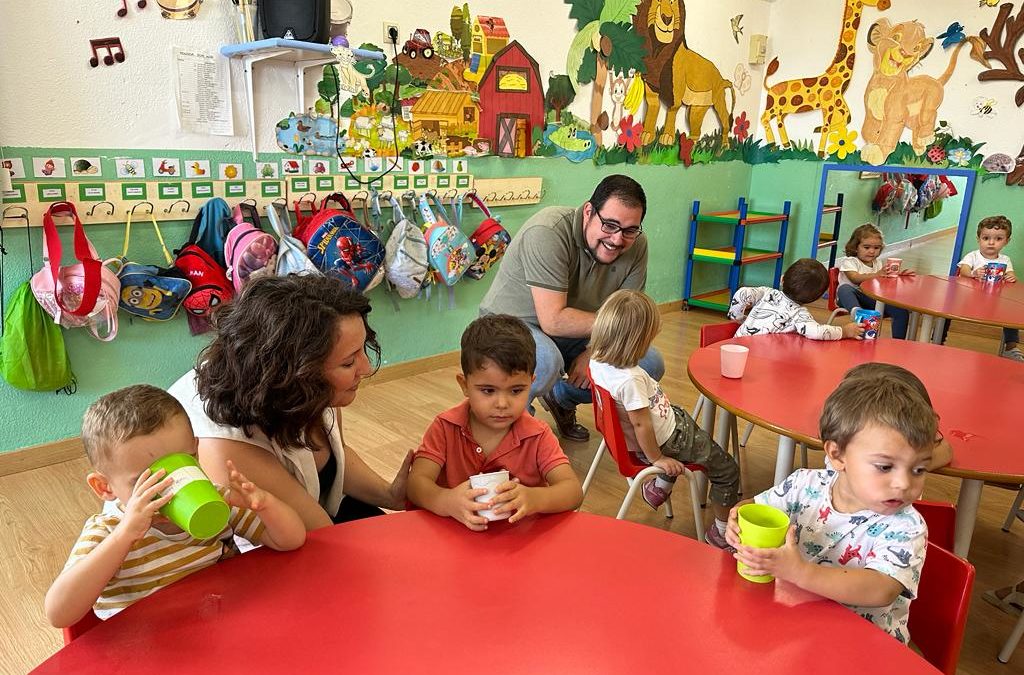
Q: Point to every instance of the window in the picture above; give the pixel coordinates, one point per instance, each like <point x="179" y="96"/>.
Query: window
<point x="513" y="79"/>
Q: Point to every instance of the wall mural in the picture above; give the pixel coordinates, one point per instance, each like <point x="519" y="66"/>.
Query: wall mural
<point x="471" y="88"/>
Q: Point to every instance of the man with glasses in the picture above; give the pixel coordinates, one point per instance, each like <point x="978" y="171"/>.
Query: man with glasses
<point x="557" y="272"/>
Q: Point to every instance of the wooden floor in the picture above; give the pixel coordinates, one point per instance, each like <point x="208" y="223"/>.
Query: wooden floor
<point x="41" y="511"/>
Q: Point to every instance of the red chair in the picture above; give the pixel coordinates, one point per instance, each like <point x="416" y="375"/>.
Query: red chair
<point x="86" y="623"/>
<point x="941" y="520"/>
<point x="939" y="613"/>
<point x="606" y="419"/>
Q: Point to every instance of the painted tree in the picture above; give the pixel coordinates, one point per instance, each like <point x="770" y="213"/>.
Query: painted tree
<point x="465" y="34"/>
<point x="605" y="43"/>
<point x="457" y="22"/>
<point x="560" y="94"/>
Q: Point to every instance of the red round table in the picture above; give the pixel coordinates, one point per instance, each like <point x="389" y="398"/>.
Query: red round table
<point x="413" y="592"/>
<point x="788" y="378"/>
<point x="951" y="298"/>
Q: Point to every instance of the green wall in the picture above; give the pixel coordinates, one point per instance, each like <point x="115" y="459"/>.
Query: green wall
<point x="159" y="353"/>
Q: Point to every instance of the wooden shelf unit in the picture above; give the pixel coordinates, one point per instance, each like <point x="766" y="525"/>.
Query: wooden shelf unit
<point x="735" y="256"/>
<point x="830" y="240"/>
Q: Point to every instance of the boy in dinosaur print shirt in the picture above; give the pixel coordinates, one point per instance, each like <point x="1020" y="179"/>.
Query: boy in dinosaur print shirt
<point x="855" y="536"/>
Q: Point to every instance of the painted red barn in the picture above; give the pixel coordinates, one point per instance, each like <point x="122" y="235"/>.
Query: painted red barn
<point x="511" y="101"/>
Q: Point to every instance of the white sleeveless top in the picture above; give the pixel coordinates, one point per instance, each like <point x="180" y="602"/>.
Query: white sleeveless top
<point x="297" y="461"/>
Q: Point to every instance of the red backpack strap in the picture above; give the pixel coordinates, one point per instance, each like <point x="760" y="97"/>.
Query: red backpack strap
<point x="338" y="198"/>
<point x="479" y="203"/>
<point x="84" y="252"/>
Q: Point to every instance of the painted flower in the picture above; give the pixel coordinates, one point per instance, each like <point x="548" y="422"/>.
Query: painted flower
<point x="936" y="154"/>
<point x="686" y="150"/>
<point x="841" y="142"/>
<point x="629" y="133"/>
<point x="959" y="156"/>
<point x="741" y="129"/>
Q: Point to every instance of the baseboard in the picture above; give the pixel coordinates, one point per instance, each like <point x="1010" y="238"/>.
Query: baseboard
<point x="38" y="456"/>
<point x="45" y="454"/>
<point x="908" y="243"/>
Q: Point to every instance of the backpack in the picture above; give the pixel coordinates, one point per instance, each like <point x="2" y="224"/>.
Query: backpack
<point x="249" y="251"/>
<point x="489" y="239"/>
<point x="210" y="228"/>
<point x="405" y="255"/>
<point x="305" y="211"/>
<point x="448" y="249"/>
<point x="291" y="253"/>
<point x="147" y="291"/>
<point x="33" y="354"/>
<point x="344" y="249"/>
<point x="210" y="285"/>
<point x="70" y="294"/>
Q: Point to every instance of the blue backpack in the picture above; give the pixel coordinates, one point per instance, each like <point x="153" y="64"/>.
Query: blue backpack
<point x="344" y="249"/>
<point x="210" y="228"/>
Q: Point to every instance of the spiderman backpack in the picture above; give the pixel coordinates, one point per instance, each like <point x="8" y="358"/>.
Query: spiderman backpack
<point x="344" y="249"/>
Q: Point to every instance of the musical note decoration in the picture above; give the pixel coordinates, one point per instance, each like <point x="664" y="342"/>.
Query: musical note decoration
<point x="123" y="12"/>
<point x="115" y="51"/>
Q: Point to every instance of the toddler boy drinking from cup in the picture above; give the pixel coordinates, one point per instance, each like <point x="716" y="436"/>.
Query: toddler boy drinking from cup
<point x="993" y="235"/>
<point x="855" y="536"/>
<point x="122" y="557"/>
<point x="491" y="431"/>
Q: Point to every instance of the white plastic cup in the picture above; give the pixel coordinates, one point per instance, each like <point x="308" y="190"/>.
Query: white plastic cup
<point x="892" y="266"/>
<point x="734" y="360"/>
<point x="490" y="481"/>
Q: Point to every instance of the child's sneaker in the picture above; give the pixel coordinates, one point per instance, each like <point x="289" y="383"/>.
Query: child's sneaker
<point x="653" y="495"/>
<point x="1013" y="353"/>
<point x="717" y="539"/>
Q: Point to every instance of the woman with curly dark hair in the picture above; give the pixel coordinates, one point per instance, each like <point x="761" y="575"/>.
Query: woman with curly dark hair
<point x="287" y="355"/>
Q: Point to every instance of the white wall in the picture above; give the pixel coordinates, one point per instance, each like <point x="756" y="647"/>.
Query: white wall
<point x="805" y="43"/>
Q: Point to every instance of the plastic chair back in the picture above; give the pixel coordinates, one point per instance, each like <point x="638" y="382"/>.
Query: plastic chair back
<point x="939" y="613"/>
<point x="716" y="332"/>
<point x="606" y="419"/>
<point x="83" y="625"/>
<point x="833" y="285"/>
<point x="941" y="520"/>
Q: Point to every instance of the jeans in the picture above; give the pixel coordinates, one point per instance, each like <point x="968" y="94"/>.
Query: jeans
<point x="849" y="296"/>
<point x="554" y="353"/>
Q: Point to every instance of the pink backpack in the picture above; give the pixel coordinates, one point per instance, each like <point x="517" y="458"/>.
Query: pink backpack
<point x="249" y="251"/>
<point x="81" y="295"/>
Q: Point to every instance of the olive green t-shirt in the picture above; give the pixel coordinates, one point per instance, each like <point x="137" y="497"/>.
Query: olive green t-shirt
<point x="550" y="252"/>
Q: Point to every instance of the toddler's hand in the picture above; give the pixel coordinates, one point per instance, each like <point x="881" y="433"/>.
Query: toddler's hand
<point x="908" y="273"/>
<point x="242" y="493"/>
<point x="1010" y="277"/>
<point x="979" y="273"/>
<point x="853" y="330"/>
<point x="463" y="508"/>
<point x="671" y="467"/>
<point x="732" y="528"/>
<point x="144" y="503"/>
<point x="511" y="496"/>
<point x="784" y="562"/>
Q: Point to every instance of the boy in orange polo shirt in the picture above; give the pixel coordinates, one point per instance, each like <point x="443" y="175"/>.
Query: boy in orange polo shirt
<point x="491" y="431"/>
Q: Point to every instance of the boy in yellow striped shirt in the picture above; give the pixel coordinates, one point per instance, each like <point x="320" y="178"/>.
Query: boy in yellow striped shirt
<point x="124" y="556"/>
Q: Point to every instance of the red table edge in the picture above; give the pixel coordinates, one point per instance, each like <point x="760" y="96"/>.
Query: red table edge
<point x="816" y="443"/>
<point x="942" y="315"/>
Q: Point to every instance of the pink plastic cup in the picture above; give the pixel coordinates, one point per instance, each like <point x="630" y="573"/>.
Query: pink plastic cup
<point x="892" y="266"/>
<point x="734" y="360"/>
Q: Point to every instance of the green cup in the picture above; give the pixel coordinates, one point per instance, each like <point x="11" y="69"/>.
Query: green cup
<point x="196" y="506"/>
<point x="761" y="526"/>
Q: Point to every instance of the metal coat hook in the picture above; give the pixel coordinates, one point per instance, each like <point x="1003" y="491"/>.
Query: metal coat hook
<point x="312" y="196"/>
<point x="386" y="195"/>
<point x="91" y="211"/>
<point x="250" y="201"/>
<point x="187" y="203"/>
<point x="152" y="209"/>
<point x="282" y="201"/>
<point x="356" y="197"/>
<point x="410" y="195"/>
<point x="450" y="193"/>
<point x="16" y="216"/>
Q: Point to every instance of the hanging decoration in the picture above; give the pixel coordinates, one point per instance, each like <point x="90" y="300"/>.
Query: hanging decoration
<point x="112" y="46"/>
<point x="123" y="12"/>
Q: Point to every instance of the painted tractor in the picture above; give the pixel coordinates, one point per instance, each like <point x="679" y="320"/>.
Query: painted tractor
<point x="418" y="44"/>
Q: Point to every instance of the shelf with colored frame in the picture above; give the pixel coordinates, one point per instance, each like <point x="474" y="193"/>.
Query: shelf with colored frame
<point x="301" y="55"/>
<point x="830" y="240"/>
<point x="735" y="256"/>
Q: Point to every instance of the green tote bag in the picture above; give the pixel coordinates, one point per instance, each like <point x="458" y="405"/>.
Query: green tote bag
<point x="32" y="354"/>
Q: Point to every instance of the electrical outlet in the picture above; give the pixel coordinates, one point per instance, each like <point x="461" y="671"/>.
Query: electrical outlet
<point x="388" y="26"/>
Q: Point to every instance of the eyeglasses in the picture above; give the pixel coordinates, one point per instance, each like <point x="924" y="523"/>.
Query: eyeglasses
<point x="612" y="227"/>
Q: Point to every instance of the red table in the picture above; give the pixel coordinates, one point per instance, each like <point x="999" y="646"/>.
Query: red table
<point x="959" y="298"/>
<point x="788" y="378"/>
<point x="413" y="592"/>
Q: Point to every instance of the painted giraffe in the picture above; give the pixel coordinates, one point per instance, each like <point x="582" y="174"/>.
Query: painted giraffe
<point x="824" y="92"/>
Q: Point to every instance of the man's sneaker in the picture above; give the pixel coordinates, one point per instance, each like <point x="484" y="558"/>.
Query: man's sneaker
<point x="653" y="495"/>
<point x="1013" y="353"/>
<point x="565" y="420"/>
<point x="717" y="539"/>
